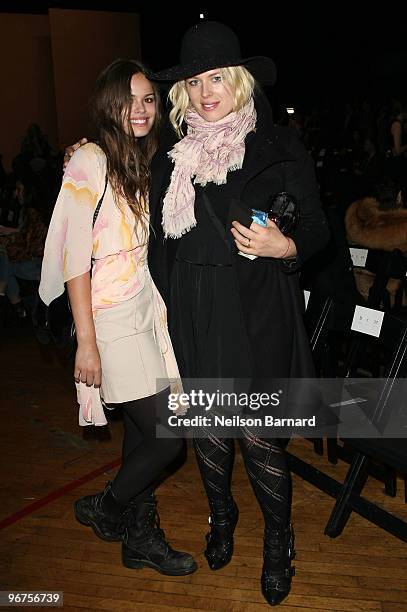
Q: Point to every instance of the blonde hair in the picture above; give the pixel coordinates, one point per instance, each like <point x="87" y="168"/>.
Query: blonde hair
<point x="239" y="80"/>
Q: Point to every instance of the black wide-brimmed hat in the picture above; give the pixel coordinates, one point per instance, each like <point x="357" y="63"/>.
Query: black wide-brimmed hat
<point x="210" y="44"/>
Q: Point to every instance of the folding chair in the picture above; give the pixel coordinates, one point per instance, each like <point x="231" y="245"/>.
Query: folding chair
<point x="327" y="329"/>
<point x="334" y="320"/>
<point x="392" y="453"/>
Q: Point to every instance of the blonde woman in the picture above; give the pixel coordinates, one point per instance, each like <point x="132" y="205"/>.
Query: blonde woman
<point x="234" y="316"/>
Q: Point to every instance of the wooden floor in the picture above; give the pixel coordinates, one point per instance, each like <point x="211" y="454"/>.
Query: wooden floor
<point x="44" y="453"/>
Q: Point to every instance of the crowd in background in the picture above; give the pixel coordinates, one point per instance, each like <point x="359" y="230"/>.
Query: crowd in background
<point x="360" y="154"/>
<point x="27" y="197"/>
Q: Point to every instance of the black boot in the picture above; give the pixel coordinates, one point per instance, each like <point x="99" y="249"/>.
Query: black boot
<point x="223" y="520"/>
<point x="104" y="513"/>
<point x="277" y="570"/>
<point x="144" y="543"/>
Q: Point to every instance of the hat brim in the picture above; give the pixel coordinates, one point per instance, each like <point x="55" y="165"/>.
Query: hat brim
<point x="262" y="68"/>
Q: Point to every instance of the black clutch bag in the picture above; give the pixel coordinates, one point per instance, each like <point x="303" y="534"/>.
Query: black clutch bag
<point x="284" y="211"/>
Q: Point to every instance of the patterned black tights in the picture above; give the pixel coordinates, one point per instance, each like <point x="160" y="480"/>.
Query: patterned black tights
<point x="266" y="465"/>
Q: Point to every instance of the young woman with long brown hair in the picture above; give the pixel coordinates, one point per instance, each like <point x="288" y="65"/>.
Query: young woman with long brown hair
<point x="124" y="353"/>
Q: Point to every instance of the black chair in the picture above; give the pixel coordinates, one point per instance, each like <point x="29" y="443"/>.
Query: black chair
<point x="367" y="453"/>
<point x="328" y="325"/>
<point x="392" y="453"/>
<point x="333" y="317"/>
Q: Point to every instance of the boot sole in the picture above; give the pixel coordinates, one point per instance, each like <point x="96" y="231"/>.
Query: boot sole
<point x="139" y="564"/>
<point x="87" y="523"/>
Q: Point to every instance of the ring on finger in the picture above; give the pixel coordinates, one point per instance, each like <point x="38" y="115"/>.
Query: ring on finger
<point x="248" y="244"/>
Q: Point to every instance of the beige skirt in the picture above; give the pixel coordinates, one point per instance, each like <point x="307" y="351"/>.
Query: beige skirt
<point x="132" y="362"/>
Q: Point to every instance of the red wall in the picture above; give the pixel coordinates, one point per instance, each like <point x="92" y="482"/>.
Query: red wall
<point x="84" y="42"/>
<point x="27" y="92"/>
<point x="48" y="66"/>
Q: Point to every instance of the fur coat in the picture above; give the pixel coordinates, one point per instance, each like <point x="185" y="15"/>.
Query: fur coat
<point x="371" y="227"/>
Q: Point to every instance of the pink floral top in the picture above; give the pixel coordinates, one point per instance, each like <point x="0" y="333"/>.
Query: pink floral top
<point x="117" y="245"/>
<point x="119" y="250"/>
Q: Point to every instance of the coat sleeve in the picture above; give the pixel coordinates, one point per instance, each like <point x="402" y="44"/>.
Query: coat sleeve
<point x="312" y="232"/>
<point x="69" y="244"/>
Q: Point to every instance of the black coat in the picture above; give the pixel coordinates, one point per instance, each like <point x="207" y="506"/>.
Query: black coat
<point x="270" y="298"/>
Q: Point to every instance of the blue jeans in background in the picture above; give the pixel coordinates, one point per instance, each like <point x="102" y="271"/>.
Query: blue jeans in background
<point x="10" y="271"/>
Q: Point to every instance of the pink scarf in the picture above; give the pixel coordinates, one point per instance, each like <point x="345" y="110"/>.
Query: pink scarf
<point x="206" y="154"/>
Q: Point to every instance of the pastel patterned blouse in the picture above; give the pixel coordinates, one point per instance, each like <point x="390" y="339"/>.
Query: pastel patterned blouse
<point x="119" y="251"/>
<point x="117" y="246"/>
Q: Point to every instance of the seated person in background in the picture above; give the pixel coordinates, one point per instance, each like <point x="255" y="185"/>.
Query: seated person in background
<point x="378" y="222"/>
<point x="21" y="251"/>
<point x="398" y="131"/>
<point x="370" y="168"/>
<point x="397" y="152"/>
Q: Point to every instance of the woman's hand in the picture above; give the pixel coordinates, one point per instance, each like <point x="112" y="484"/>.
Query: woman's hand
<point x="69" y="151"/>
<point x="263" y="241"/>
<point x="87" y="361"/>
<point x="87" y="364"/>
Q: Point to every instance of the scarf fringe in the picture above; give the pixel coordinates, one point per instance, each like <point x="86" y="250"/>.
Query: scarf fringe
<point x="173" y="233"/>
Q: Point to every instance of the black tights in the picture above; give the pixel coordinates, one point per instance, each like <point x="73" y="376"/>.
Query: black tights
<point x="144" y="455"/>
<point x="266" y="465"/>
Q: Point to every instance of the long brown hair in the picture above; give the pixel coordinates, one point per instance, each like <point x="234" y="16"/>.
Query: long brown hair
<point x="128" y="157"/>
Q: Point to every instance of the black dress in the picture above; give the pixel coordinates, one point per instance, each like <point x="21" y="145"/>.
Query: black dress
<point x="207" y="325"/>
<point x="232" y="316"/>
